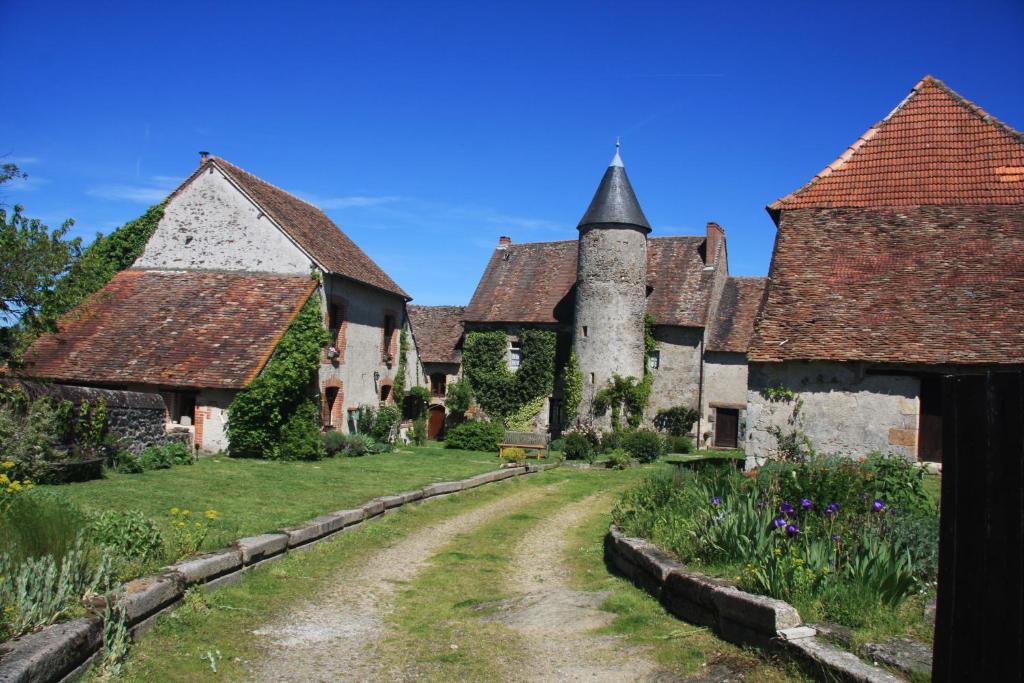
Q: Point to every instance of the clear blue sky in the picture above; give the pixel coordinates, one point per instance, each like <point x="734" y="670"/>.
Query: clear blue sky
<point x="426" y="130"/>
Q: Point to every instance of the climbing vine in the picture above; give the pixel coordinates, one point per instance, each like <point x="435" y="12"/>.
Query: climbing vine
<point x="573" y="389"/>
<point x="398" y="390"/>
<point x="499" y="391"/>
<point x="624" y="394"/>
<point x="792" y="443"/>
<point x="277" y="404"/>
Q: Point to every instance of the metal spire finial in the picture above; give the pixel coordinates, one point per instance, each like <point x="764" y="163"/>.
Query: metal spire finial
<point x="617" y="160"/>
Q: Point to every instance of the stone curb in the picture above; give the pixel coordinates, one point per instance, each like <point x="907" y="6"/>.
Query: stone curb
<point x="61" y="652"/>
<point x="738" y="617"/>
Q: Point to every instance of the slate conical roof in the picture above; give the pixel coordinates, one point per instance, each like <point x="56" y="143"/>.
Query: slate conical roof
<point x="614" y="202"/>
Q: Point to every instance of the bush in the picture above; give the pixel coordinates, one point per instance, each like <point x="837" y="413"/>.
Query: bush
<point x="129" y="534"/>
<point x="676" y="421"/>
<point x="300" y="434"/>
<point x="577" y="447"/>
<point x="419" y="430"/>
<point x="618" y="459"/>
<point x="678" y="444"/>
<point x="357" y="445"/>
<point x="334" y="442"/>
<point x="557" y="446"/>
<point x="514" y="454"/>
<point x="30" y="438"/>
<point x="416" y="402"/>
<point x="645" y="446"/>
<point x="387" y="417"/>
<point x="366" y="418"/>
<point x="475" y="436"/>
<point x="159" y="457"/>
<point x="611" y="440"/>
<point x="460" y="396"/>
<point x="127" y="462"/>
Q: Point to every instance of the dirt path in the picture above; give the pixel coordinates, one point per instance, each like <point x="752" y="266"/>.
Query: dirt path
<point x="557" y="621"/>
<point x="335" y="635"/>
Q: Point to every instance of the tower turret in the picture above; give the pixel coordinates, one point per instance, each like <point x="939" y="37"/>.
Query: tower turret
<point x="611" y="284"/>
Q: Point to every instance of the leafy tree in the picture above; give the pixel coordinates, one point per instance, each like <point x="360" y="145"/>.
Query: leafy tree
<point x="33" y="259"/>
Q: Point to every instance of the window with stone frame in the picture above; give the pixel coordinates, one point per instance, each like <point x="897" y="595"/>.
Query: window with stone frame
<point x="438" y="385"/>
<point x="515" y="355"/>
<point x="654" y="360"/>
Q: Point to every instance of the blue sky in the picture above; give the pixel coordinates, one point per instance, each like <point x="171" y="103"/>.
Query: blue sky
<point x="426" y="130"/>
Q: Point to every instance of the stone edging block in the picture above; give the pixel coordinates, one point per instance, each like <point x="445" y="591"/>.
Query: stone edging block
<point x="51" y="654"/>
<point x="61" y="650"/>
<point x="739" y="617"/>
<point x="258" y="548"/>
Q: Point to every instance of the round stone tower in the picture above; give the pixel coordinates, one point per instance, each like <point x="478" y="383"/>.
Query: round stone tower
<point x="611" y="285"/>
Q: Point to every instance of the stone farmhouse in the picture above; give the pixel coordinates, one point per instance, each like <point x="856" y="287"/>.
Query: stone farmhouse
<point x="200" y="312"/>
<point x="594" y="292"/>
<point x="437" y="333"/>
<point x="900" y="262"/>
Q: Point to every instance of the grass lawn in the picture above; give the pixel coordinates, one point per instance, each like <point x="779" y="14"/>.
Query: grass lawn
<point x="255" y="496"/>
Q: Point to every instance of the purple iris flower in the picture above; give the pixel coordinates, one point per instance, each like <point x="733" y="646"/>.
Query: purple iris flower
<point x="835" y="538"/>
<point x="878" y="505"/>
<point x="792" y="529"/>
<point x="779" y="522"/>
<point x="716" y="501"/>
<point x="831" y="509"/>
<point x="806" y="503"/>
<point x="787" y="508"/>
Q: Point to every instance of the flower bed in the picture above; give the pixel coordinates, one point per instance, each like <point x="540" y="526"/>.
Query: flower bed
<point x="847" y="541"/>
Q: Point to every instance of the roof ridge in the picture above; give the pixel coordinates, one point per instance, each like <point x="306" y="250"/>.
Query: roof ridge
<point x="255" y="177"/>
<point x="927" y="81"/>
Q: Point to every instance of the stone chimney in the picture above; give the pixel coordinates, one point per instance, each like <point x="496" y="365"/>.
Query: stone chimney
<point x="203" y="157"/>
<point x="504" y="241"/>
<point x="716" y="236"/>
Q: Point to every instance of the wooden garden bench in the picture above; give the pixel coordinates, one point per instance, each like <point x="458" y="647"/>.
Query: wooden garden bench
<point x="528" y="441"/>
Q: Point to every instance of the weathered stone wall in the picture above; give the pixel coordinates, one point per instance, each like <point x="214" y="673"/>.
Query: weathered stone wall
<point x="725" y="386"/>
<point x="138" y="418"/>
<point x="362" y="346"/>
<point x="611" y="290"/>
<point x="212" y="419"/>
<point x="211" y="225"/>
<point x="677" y="378"/>
<point x="843" y="410"/>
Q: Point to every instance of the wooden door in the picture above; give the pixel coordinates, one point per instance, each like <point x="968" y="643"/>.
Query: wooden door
<point x="435" y="425"/>
<point x="929" y="438"/>
<point x="727" y="422"/>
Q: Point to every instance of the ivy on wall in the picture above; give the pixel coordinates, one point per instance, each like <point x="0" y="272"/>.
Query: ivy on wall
<point x="398" y="390"/>
<point x="573" y="389"/>
<point x="499" y="391"/>
<point x="275" y="417"/>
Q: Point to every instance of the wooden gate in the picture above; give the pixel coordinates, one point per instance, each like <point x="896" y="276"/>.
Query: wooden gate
<point x="978" y="631"/>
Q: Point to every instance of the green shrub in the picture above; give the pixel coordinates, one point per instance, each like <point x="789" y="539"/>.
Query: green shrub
<point x="387" y="417"/>
<point x="460" y="396"/>
<point x="678" y="444"/>
<point x="919" y="534"/>
<point x="645" y="446"/>
<point x="334" y="442"/>
<point x="419" y="430"/>
<point x="30" y="437"/>
<point x="300" y="434"/>
<point x="514" y="454"/>
<point x="577" y="447"/>
<point x="37" y="523"/>
<point x="357" y="445"/>
<point x="155" y="458"/>
<point x="676" y="421"/>
<point x="127" y="533"/>
<point x="416" y="402"/>
<point x="611" y="440"/>
<point x="475" y="436"/>
<point x="127" y="462"/>
<point x="618" y="459"/>
<point x="557" y="446"/>
<point x="366" y="418"/>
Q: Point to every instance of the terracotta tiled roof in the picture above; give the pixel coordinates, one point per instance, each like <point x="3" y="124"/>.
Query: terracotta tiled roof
<point x="533" y="282"/>
<point x="930" y="285"/>
<point x="311" y="229"/>
<point x="202" y="329"/>
<point x="733" y="324"/>
<point x="935" y="148"/>
<point x="437" y="331"/>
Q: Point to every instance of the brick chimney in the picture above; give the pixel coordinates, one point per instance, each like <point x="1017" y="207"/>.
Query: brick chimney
<point x="716" y="236"/>
<point x="504" y="241"/>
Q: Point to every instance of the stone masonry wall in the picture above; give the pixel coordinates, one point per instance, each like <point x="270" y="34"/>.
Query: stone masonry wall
<point x="611" y="289"/>
<point x="845" y="411"/>
<point x="725" y="386"/>
<point x="677" y="378"/>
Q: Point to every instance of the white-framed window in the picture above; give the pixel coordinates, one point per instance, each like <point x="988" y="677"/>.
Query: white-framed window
<point x="515" y="356"/>
<point x="654" y="360"/>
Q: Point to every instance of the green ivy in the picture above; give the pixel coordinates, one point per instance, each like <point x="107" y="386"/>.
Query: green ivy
<point x="573" y="388"/>
<point x="398" y="389"/>
<point x="624" y="393"/>
<point x="102" y="260"/>
<point x="650" y="343"/>
<point x="522" y="419"/>
<point x="279" y="396"/>
<point x="498" y="390"/>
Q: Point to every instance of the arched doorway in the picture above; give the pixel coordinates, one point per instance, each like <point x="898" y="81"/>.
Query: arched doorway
<point x="435" y="423"/>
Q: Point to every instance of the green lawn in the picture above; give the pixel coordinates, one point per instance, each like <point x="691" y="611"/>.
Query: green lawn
<point x="255" y="496"/>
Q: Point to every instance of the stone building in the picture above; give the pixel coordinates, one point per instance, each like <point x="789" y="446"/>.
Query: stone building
<point x="200" y="312"/>
<point x="437" y="333"/>
<point x="594" y="292"/>
<point x="897" y="264"/>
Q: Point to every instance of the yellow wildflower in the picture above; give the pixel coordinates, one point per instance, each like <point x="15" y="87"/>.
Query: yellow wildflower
<point x="174" y="511"/>
<point x="198" y="525"/>
<point x="184" y="513"/>
<point x="181" y="525"/>
<point x="8" y="464"/>
<point x="211" y="514"/>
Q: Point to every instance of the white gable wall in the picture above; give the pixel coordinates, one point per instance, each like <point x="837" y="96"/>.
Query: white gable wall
<point x="211" y="225"/>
